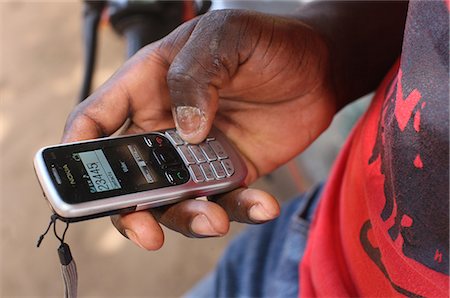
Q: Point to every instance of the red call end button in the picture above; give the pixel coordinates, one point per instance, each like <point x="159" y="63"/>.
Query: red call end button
<point x="159" y="140"/>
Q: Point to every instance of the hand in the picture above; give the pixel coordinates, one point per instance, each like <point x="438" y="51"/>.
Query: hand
<point x="262" y="80"/>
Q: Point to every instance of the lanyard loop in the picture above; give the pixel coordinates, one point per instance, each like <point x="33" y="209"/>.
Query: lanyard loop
<point x="68" y="266"/>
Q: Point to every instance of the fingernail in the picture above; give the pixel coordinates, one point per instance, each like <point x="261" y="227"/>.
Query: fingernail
<point x="201" y="226"/>
<point x="189" y="119"/>
<point x="258" y="213"/>
<point x="133" y="237"/>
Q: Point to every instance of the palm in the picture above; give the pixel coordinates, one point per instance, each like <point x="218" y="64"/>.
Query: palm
<point x="270" y="134"/>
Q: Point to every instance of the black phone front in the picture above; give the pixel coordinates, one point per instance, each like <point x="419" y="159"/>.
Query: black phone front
<point x="111" y="167"/>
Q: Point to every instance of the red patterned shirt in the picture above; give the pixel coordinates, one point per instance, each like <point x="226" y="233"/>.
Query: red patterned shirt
<point x="382" y="227"/>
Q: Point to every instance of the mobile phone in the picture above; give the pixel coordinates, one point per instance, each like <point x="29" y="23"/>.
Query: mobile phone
<point x="100" y="177"/>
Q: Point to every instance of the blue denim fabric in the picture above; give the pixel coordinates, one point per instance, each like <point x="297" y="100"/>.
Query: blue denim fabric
<point x="263" y="261"/>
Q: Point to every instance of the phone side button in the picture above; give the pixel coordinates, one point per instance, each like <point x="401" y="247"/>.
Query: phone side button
<point x="145" y="206"/>
<point x="196" y="173"/>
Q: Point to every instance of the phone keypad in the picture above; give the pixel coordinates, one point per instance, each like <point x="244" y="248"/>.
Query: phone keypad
<point x="177" y="176"/>
<point x="209" y="152"/>
<point x="174" y="137"/>
<point x="219" y="171"/>
<point x="186" y="154"/>
<point x="196" y="173"/>
<point x="228" y="166"/>
<point x="207" y="161"/>
<point x="218" y="149"/>
<point x="198" y="153"/>
<point x="207" y="171"/>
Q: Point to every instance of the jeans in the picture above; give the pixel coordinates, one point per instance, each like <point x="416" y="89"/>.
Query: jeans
<point x="264" y="260"/>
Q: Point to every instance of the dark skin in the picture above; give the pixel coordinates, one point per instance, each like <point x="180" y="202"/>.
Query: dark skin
<point x="258" y="78"/>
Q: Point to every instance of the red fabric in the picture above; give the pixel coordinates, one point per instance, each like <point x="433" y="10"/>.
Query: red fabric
<point x="334" y="258"/>
<point x="330" y="268"/>
<point x="382" y="226"/>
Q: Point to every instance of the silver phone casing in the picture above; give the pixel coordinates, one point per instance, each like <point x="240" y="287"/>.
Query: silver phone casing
<point x="144" y="199"/>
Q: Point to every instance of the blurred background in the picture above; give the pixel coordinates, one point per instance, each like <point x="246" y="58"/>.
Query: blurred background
<point x="42" y="67"/>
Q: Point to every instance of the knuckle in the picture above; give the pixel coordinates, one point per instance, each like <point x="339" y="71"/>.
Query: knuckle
<point x="181" y="82"/>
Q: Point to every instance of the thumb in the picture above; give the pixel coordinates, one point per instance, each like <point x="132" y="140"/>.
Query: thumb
<point x="202" y="66"/>
<point x="192" y="121"/>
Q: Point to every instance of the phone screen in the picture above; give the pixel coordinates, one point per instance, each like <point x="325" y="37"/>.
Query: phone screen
<point x="112" y="167"/>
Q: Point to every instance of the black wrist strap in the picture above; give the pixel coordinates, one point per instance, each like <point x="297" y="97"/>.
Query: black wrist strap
<point x="68" y="266"/>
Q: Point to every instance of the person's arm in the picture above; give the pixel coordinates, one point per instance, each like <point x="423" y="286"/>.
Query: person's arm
<point x="364" y="40"/>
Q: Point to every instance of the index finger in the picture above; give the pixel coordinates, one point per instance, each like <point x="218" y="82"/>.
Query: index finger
<point x="138" y="90"/>
<point x="128" y="93"/>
